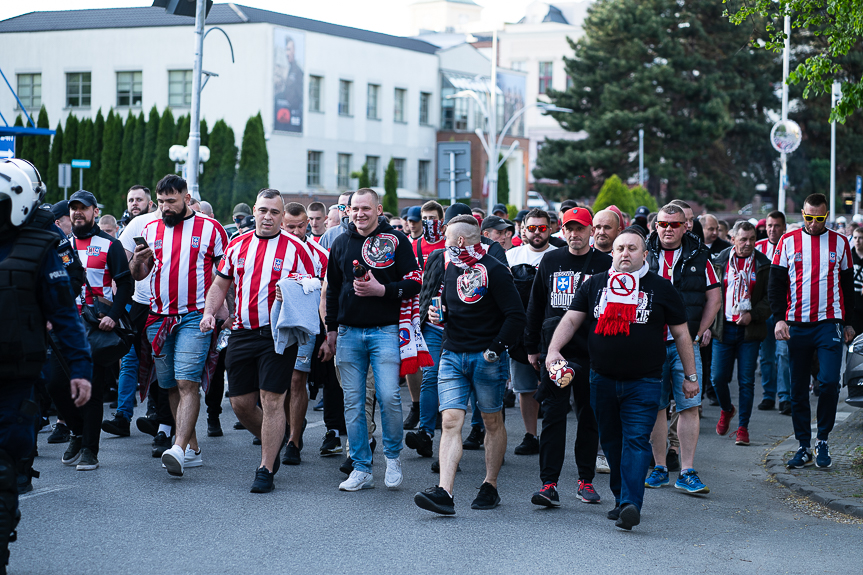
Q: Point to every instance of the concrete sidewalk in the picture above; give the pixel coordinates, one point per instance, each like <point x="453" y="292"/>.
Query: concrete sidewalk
<point x="841" y="486"/>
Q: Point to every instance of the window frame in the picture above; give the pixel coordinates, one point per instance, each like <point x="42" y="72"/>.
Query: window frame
<point x="373" y="112"/>
<point x="80" y="95"/>
<point x="545" y="82"/>
<point x="314" y="158"/>
<point x="424" y="176"/>
<point x="373" y="171"/>
<point x="425" y="108"/>
<point x="187" y="80"/>
<point x="345" y="89"/>
<point x="315" y="98"/>
<point x="400" y="164"/>
<point x="30" y="104"/>
<point x="131" y="93"/>
<point x="343" y="181"/>
<point x="400" y="105"/>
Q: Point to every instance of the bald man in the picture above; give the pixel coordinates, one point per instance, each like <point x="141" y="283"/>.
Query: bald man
<point x="606" y="227"/>
<point x="712" y="238"/>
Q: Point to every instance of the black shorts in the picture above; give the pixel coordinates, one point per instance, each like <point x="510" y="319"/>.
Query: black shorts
<point x="252" y="363"/>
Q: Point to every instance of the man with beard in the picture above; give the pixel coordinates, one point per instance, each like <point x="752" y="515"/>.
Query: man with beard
<point x="182" y="249"/>
<point x="104" y="262"/>
<point x="606" y="227"/>
<point x="138" y="202"/>
<point x="523" y="261"/>
<point x="560" y="274"/>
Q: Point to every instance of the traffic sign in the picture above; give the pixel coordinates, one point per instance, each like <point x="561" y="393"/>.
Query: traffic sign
<point x="7" y="146"/>
<point x="64" y="175"/>
<point x="453" y="170"/>
<point x="80" y="163"/>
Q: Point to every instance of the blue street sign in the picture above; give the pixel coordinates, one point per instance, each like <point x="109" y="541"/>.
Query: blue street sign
<point x="7" y="146"/>
<point x="859" y="186"/>
<point x="80" y="163"/>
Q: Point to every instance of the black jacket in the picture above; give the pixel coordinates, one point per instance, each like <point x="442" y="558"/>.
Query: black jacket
<point x="757" y="328"/>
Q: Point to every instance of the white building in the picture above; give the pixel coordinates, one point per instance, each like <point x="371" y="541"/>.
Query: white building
<point x="349" y="97"/>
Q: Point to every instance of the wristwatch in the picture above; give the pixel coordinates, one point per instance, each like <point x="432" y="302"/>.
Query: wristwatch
<point x="693" y="378"/>
<point x="490" y="356"/>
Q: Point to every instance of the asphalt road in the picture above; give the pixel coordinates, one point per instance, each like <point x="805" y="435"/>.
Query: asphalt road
<point x="130" y="517"/>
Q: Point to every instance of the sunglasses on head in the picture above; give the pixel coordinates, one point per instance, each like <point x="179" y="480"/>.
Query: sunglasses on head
<point x="540" y="229"/>
<point x="672" y="225"/>
<point x="811" y="218"/>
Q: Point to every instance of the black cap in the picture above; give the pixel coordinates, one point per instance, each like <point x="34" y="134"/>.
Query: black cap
<point x="521" y="215"/>
<point x="403" y="214"/>
<point x="60" y="209"/>
<point x="414" y="214"/>
<point x="499" y="208"/>
<point x="642" y="211"/>
<point x="84" y="197"/>
<point x="496" y="223"/>
<point x="456" y="210"/>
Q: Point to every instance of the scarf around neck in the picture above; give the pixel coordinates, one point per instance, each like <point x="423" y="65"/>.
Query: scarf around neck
<point x="619" y="302"/>
<point x="432" y="231"/>
<point x="738" y="283"/>
<point x="465" y="257"/>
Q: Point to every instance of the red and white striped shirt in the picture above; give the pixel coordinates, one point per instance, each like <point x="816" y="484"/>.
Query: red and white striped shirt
<point x="666" y="269"/>
<point x="765" y="247"/>
<point x="93" y="254"/>
<point x="256" y="265"/>
<point x="813" y="264"/>
<point x="184" y="257"/>
<point x="321" y="257"/>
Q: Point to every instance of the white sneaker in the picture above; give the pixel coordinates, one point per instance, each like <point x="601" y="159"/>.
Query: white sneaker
<point x="173" y="460"/>
<point x="393" y="478"/>
<point x="356" y="480"/>
<point x="191" y="459"/>
<point x="602" y="464"/>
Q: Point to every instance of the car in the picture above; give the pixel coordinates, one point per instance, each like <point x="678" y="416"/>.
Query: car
<point x="535" y="200"/>
<point x="231" y="229"/>
<point x="853" y="378"/>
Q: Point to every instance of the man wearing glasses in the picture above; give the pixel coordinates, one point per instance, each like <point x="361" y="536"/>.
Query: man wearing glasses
<point x="685" y="261"/>
<point x="335" y="231"/>
<point x="811" y="283"/>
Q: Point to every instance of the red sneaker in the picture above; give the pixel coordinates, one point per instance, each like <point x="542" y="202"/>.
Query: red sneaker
<point x="742" y="436"/>
<point x="725" y="420"/>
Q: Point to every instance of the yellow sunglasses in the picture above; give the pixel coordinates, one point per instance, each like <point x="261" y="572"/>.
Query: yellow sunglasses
<point x="810" y="218"/>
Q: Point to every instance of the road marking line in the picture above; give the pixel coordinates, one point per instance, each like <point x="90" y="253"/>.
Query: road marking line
<point x="44" y="491"/>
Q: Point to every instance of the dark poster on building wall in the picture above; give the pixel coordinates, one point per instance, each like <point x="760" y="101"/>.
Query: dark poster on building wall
<point x="288" y="80"/>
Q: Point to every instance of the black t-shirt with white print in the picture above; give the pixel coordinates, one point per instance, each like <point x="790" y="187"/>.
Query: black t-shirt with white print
<point x="641" y="353"/>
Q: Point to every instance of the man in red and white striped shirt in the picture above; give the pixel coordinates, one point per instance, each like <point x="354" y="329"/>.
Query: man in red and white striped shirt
<point x="811" y="291"/>
<point x="182" y="249"/>
<point x="256" y="261"/>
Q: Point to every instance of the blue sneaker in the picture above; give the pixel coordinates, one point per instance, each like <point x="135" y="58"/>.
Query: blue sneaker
<point x="822" y="455"/>
<point x="801" y="459"/>
<point x="689" y="482"/>
<point x="658" y="477"/>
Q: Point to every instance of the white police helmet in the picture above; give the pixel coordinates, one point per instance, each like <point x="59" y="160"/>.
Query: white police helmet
<point x="22" y="187"/>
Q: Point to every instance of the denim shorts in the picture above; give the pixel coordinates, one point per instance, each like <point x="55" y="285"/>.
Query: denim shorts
<point x="524" y="379"/>
<point x="461" y="373"/>
<point x="304" y="356"/>
<point x="672" y="379"/>
<point x="184" y="353"/>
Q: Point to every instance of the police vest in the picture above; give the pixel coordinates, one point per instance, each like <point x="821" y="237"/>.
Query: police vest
<point x="23" y="343"/>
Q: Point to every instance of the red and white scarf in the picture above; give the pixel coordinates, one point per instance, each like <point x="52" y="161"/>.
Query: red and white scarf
<point x="619" y="302"/>
<point x="413" y="351"/>
<point x="465" y="257"/>
<point x="433" y="231"/>
<point x="738" y="297"/>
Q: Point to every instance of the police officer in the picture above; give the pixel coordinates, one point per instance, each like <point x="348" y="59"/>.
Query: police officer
<point x="34" y="290"/>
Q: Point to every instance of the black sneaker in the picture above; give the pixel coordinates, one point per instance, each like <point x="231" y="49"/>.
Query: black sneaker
<point x="672" y="461"/>
<point x="475" y="439"/>
<point x="88" y="460"/>
<point x="214" y="427"/>
<point x="614" y="514"/>
<point x="347" y="466"/>
<point x="529" y="445"/>
<point x="629" y="517"/>
<point x="412" y="419"/>
<point x="420" y="441"/>
<point x="277" y="462"/>
<point x="256" y="441"/>
<point x="435" y="466"/>
<point x="119" y="425"/>
<point x="766" y="404"/>
<point x="148" y="425"/>
<point x="785" y="407"/>
<point x="509" y="398"/>
<point x="487" y="497"/>
<point x="239" y="425"/>
<point x="73" y="452"/>
<point x="332" y="444"/>
<point x="319" y="406"/>
<point x="263" y="481"/>
<point x="435" y="499"/>
<point x="161" y="442"/>
<point x="547" y="496"/>
<point x="60" y="434"/>
<point x="292" y="455"/>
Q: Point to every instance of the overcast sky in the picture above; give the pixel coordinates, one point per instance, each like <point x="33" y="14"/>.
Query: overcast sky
<point x="389" y="16"/>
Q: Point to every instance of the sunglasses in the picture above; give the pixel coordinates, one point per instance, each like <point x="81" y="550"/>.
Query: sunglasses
<point x="534" y="229"/>
<point x="342" y="207"/>
<point x="811" y="218"/>
<point x="672" y="225"/>
<point x="398" y="227"/>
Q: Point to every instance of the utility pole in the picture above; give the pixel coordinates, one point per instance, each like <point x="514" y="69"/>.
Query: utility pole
<point x="641" y="158"/>
<point x="194" y="142"/>
<point x="835" y="94"/>
<point x="492" y="127"/>
<point x="783" y="173"/>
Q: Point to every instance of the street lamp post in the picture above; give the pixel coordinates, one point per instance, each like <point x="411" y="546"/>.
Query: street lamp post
<point x="835" y="95"/>
<point x="194" y="142"/>
<point x="783" y="173"/>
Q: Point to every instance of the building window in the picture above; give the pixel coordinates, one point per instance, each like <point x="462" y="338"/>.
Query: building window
<point x="400" y="171"/>
<point x="180" y="88"/>
<point x="372" y="162"/>
<point x="447" y="109"/>
<point x="425" y="105"/>
<point x="30" y="90"/>
<point x="372" y="103"/>
<point x="518" y="65"/>
<point x="315" y="85"/>
<point x="400" y="105"/>
<point x="78" y="90"/>
<point x="313" y="169"/>
<point x="461" y="111"/>
<point x="344" y="174"/>
<point x="569" y="82"/>
<point x="424" y="175"/>
<point x="345" y="97"/>
<point x="129" y="88"/>
<point x="544" y="77"/>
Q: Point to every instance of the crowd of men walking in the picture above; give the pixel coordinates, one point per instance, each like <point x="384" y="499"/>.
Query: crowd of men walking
<point x="630" y="322"/>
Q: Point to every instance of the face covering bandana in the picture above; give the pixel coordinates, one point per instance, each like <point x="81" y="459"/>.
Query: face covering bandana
<point x="432" y="231"/>
<point x="467" y="256"/>
<point x="619" y="302"/>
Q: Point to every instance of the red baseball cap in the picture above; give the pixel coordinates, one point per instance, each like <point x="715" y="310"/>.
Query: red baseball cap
<point x="578" y="215"/>
<point x="617" y="211"/>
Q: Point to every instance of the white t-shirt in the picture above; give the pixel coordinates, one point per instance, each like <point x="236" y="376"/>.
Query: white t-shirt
<point x="524" y="255"/>
<point x="143" y="293"/>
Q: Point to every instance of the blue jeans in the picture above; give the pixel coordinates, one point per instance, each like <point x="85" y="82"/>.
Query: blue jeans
<point x="775" y="370"/>
<point x="672" y="379"/>
<point x="356" y="349"/>
<point x="825" y="339"/>
<point x="625" y="412"/>
<point x="127" y="384"/>
<point x="428" y="389"/>
<point x="746" y="353"/>
<point x="467" y="375"/>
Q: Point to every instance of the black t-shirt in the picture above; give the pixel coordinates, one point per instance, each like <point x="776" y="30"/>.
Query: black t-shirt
<point x="858" y="286"/>
<point x="641" y="353"/>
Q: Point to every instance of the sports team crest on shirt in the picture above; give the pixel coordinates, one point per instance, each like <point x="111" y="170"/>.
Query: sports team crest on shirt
<point x="196" y="242"/>
<point x="833" y="257"/>
<point x="93" y="251"/>
<point x="277" y="265"/>
<point x="798" y="257"/>
<point x="158" y="244"/>
<point x="380" y="251"/>
<point x="472" y="284"/>
<point x="241" y="262"/>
